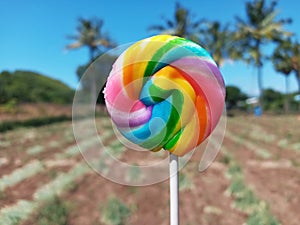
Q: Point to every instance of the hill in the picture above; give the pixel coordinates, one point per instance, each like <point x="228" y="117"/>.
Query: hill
<point x="31" y="87"/>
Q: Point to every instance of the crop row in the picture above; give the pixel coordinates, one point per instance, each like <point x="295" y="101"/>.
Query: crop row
<point x="245" y="200"/>
<point x="258" y="133"/>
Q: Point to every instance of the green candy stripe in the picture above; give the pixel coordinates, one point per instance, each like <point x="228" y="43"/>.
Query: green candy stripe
<point x="155" y="62"/>
<point x="157" y="94"/>
<point x="171" y="143"/>
<point x="169" y="130"/>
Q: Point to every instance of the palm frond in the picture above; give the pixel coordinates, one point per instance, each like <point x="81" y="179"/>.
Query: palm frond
<point x="72" y="37"/>
<point x="74" y="45"/>
<point x="269" y="19"/>
<point x="156" y="28"/>
<point x="170" y="23"/>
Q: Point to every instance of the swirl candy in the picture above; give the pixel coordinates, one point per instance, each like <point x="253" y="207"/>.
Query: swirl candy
<point x="165" y="92"/>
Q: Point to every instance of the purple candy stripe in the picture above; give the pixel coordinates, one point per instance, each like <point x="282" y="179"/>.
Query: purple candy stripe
<point x="132" y="119"/>
<point x="138" y="118"/>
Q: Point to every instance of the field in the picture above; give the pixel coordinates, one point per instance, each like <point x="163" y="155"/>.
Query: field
<point x="255" y="179"/>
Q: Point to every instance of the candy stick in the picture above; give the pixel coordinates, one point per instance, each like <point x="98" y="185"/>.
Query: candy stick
<point x="174" y="193"/>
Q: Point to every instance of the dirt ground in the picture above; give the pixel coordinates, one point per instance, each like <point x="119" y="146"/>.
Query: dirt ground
<point x="275" y="179"/>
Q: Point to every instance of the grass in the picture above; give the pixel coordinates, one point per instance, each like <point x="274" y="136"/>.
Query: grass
<point x="60" y="183"/>
<point x="115" y="212"/>
<point x="2" y="195"/>
<point x="234" y="170"/>
<point x="20" y="174"/>
<point x="54" y="212"/>
<point x="245" y="200"/>
<point x="134" y="174"/>
<point x="263" y="153"/>
<point x="262" y="216"/>
<point x="35" y="150"/>
<point x="185" y="182"/>
<point x="14" y="215"/>
<point x="115" y="152"/>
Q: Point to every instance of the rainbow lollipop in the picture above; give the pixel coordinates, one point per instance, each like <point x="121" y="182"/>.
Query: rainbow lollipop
<point x="165" y="92"/>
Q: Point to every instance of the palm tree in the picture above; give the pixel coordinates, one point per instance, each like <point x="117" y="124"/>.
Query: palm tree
<point x="90" y="35"/>
<point x="286" y="59"/>
<point x="217" y="39"/>
<point x="283" y="64"/>
<point x="181" y="25"/>
<point x="259" y="29"/>
<point x="211" y="35"/>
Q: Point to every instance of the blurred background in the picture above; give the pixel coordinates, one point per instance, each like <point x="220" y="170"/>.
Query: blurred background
<point x="45" y="50"/>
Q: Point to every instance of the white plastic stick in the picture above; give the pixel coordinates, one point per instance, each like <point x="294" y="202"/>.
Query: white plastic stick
<point x="174" y="212"/>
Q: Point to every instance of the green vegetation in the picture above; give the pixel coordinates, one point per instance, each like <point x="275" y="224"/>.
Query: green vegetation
<point x="276" y="102"/>
<point x="134" y="174"/>
<point x="258" y="29"/>
<point x="54" y="212"/>
<point x="14" y="215"/>
<point x="185" y="182"/>
<point x="20" y="174"/>
<point x="262" y="216"/>
<point x="273" y="100"/>
<point x="35" y="122"/>
<point x="286" y="59"/>
<point x="89" y="34"/>
<point x="217" y="39"/>
<point x="245" y="199"/>
<point x="35" y="150"/>
<point x="259" y="151"/>
<point x="115" y="212"/>
<point x="25" y="86"/>
<point x="181" y="26"/>
<point x="61" y="183"/>
<point x="245" y="41"/>
<point x="235" y="98"/>
<point x="45" y="195"/>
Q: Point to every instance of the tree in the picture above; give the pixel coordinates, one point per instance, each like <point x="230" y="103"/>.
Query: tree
<point x="90" y="35"/>
<point x="182" y="24"/>
<point x="273" y="100"/>
<point x="26" y="86"/>
<point x="217" y="39"/>
<point x="286" y="59"/>
<point x="101" y="69"/>
<point x="260" y="28"/>
<point x="282" y="62"/>
<point x="234" y="96"/>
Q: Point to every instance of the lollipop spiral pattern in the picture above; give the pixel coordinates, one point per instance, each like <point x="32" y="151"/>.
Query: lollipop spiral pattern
<point x="165" y="92"/>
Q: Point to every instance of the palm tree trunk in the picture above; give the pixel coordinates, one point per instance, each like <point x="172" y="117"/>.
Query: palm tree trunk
<point x="93" y="90"/>
<point x="260" y="85"/>
<point x="259" y="73"/>
<point x="93" y="80"/>
<point x="286" y="100"/>
<point x="298" y="79"/>
<point x="297" y="73"/>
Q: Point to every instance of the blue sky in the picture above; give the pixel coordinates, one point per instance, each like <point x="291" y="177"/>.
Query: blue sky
<point x="33" y="33"/>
